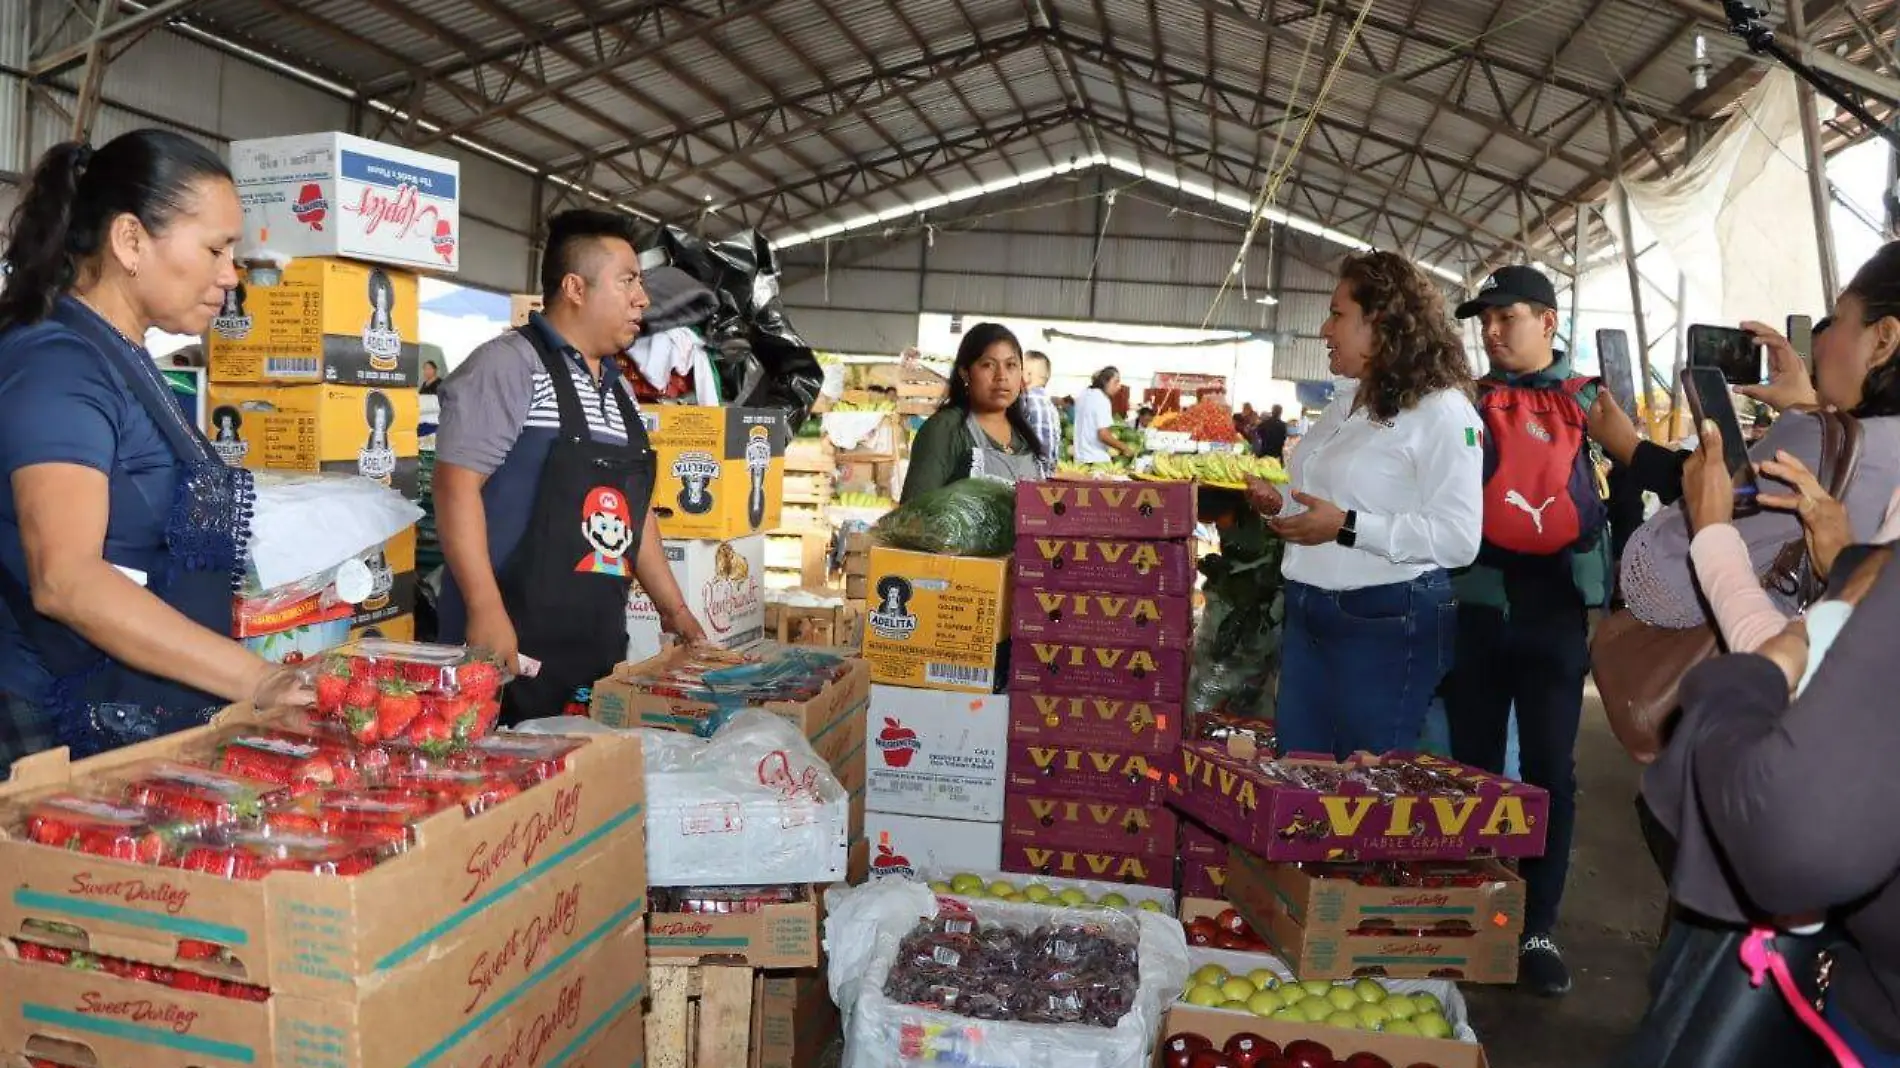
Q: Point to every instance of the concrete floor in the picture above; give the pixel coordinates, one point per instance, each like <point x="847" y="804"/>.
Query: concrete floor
<point x="1612" y="914"/>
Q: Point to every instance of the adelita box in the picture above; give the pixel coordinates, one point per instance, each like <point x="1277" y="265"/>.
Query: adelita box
<point x="936" y="622"/>
<point x="1130" y="511"/>
<point x="322" y="321"/>
<point x="721" y="471"/>
<point x="1158" y="568"/>
<point x="352" y="430"/>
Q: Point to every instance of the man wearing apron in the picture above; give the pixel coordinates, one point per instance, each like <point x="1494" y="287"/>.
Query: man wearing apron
<point x="544" y="478"/>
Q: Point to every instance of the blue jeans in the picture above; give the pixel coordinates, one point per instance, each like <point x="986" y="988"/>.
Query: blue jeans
<point x="1871" y="1056"/>
<point x="1358" y="668"/>
<point x="1437" y="738"/>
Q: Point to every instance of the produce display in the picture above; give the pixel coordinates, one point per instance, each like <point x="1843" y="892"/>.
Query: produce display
<point x="1222" y="726"/>
<point x="1225" y="469"/>
<point x="1185" y="1049"/>
<point x="1227" y="930"/>
<point x="1058" y="973"/>
<point x="1360" y="1005"/>
<point x="971" y="885"/>
<point x="436" y="698"/>
<point x="175" y="978"/>
<point x="1207" y="421"/>
<point x="728" y="682"/>
<point x="863" y="406"/>
<point x="874" y="502"/>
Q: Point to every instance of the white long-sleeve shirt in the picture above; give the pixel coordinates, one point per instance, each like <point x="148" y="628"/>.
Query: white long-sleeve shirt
<point x="1417" y="484"/>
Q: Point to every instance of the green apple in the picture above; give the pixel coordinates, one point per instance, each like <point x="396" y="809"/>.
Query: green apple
<point x="965" y="883"/>
<point x="1265" y="1003"/>
<point x="1072" y="897"/>
<point x="1235" y="1006"/>
<point x="1316" y="1009"/>
<point x="1401" y="1006"/>
<point x="1148" y="905"/>
<point x="1369" y="991"/>
<point x="1237" y="989"/>
<point x="1204" y="995"/>
<point x="1211" y="974"/>
<point x="1264" y="979"/>
<point x="1343" y="999"/>
<point x="1291" y="1015"/>
<point x="1113" y="901"/>
<point x="1002" y="889"/>
<point x="1038" y="893"/>
<point x="1373" y="1017"/>
<point x="1427" y="1003"/>
<point x="938" y="886"/>
<point x="1432" y="1025"/>
<point x="1317" y="987"/>
<point x="1294" y="993"/>
<point x="1343" y="1020"/>
<point x="1401" y="1027"/>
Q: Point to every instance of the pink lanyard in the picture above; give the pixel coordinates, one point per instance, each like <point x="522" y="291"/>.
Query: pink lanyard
<point x="1763" y="959"/>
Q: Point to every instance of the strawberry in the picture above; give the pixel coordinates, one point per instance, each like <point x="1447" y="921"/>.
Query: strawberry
<point x="396" y="709"/>
<point x="193" y="949"/>
<point x="278" y="757"/>
<point x="478" y="679"/>
<point x="434" y="735"/>
<point x="227" y="861"/>
<point x="86" y="825"/>
<point x="293" y="821"/>
<point x="198" y="795"/>
<point x="422" y="676"/>
<point x="386" y="670"/>
<point x="192" y="982"/>
<point x="330" y="691"/>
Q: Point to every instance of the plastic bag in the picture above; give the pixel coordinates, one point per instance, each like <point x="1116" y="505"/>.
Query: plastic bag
<point x="974" y="517"/>
<point x="305" y="525"/>
<point x="866" y="926"/>
<point x="761" y="360"/>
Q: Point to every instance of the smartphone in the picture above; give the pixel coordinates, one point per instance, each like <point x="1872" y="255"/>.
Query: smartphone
<point x="1801" y="336"/>
<point x="1619" y="371"/>
<point x="1708" y="394"/>
<point x="1730" y="350"/>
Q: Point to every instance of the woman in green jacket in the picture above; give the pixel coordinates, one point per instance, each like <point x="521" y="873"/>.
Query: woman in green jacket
<point x="983" y="429"/>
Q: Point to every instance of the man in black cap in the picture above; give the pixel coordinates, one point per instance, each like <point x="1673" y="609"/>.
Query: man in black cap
<point x="1522" y="623"/>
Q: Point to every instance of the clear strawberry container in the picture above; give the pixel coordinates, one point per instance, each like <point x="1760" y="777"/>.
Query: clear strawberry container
<point x="254" y="854"/>
<point x="540" y="756"/>
<point x="301" y="762"/>
<point x="98" y="826"/>
<point x="435" y="697"/>
<point x="200" y="797"/>
<point x="476" y="790"/>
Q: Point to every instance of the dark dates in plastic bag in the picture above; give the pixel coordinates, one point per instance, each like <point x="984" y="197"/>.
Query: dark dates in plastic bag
<point x="1062" y="973"/>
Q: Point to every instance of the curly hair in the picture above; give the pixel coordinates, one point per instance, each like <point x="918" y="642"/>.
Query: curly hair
<point x="1415" y="350"/>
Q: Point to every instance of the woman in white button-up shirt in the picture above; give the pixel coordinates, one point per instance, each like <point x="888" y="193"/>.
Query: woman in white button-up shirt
<point x="1386" y="498"/>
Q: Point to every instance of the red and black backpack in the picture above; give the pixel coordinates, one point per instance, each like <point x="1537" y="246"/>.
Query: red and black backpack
<point x="1540" y="491"/>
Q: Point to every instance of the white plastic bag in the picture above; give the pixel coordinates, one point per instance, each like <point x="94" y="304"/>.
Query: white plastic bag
<point x="864" y="927"/>
<point x="305" y="525"/>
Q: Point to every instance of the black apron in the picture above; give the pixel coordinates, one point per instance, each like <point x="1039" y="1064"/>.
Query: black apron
<point x="565" y="585"/>
<point x="97" y="703"/>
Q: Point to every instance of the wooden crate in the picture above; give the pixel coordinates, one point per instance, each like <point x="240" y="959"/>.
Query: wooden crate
<point x="803" y="518"/>
<point x="808" y="488"/>
<point x="835" y="625"/>
<point x="700" y="1016"/>
<point x="807" y="552"/>
<point x="813" y="455"/>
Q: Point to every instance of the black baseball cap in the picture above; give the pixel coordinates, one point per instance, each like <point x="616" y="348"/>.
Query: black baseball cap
<point x="1508" y="286"/>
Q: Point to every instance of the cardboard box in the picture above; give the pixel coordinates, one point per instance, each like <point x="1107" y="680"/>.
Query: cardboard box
<point x="724" y="585"/>
<point x="932" y="753"/>
<point x="1493" y="817"/>
<point x="465" y="882"/>
<point x="399" y="629"/>
<point x="331" y="194"/>
<point x="325" y="321"/>
<point x="1130" y="511"/>
<point x="776" y="936"/>
<point x="1140" y="674"/>
<point x="1087" y="774"/>
<point x="611" y="1042"/>
<point x="1153" y="568"/>
<point x="793" y="1020"/>
<point x="1487" y="897"/>
<point x="1116" y="723"/>
<point x="350" y="429"/>
<point x="935" y="622"/>
<point x="1199" y="843"/>
<point x="721" y="470"/>
<point x="1072" y="823"/>
<point x="1128" y="619"/>
<point x="906" y="845"/>
<point x="634" y="697"/>
<point x="1204" y="878"/>
<point x="1030" y="859"/>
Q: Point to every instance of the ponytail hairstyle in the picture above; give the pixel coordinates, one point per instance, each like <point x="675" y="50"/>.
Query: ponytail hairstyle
<point x="60" y="226"/>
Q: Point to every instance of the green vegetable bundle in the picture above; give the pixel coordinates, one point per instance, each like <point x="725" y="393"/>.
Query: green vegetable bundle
<point x="974" y="517"/>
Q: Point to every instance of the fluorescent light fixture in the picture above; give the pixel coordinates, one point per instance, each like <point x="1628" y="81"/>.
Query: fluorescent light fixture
<point x="1266" y="298"/>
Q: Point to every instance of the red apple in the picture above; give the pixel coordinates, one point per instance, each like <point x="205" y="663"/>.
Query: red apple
<point x="1249" y="1050"/>
<point x="1230" y="921"/>
<point x="1233" y="942"/>
<point x="1211" y="1058"/>
<point x="1365" y="1060"/>
<point x="1307" y="1053"/>
<point x="1179" y="1050"/>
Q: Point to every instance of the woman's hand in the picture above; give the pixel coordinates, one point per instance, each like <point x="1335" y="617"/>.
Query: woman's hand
<point x="1708" y="490"/>
<point x="1318" y="525"/>
<point x="1789" y="652"/>
<point x="282" y="687"/>
<point x="1264" y="497"/>
<point x="491" y="629"/>
<point x="680" y="622"/>
<point x="1823" y="519"/>
<point x="1789" y="385"/>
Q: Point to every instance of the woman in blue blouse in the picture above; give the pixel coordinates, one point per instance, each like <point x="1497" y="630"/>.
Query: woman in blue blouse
<point x="121" y="533"/>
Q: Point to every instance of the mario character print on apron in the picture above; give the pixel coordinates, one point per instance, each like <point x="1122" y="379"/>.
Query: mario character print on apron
<point x="607" y="524"/>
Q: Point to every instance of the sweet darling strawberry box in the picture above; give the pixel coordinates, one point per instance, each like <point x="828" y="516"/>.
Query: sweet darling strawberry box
<point x="1396" y="807"/>
<point x="485" y="924"/>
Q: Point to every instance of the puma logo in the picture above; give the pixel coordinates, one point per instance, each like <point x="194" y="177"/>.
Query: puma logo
<point x="1516" y="500"/>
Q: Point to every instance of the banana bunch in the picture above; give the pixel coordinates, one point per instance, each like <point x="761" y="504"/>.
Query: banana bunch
<point x="1222" y="468"/>
<point x="864" y="406"/>
<point x="868" y="501"/>
<point x="1070" y="469"/>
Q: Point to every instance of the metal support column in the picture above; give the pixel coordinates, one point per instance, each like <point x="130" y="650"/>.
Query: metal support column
<point x="1630" y="254"/>
<point x="538" y="235"/>
<point x="109" y="38"/>
<point x="1817" y="167"/>
<point x="1580" y="256"/>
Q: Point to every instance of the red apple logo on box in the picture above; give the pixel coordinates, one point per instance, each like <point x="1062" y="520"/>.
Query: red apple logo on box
<point x="891" y="862"/>
<point x="898" y="742"/>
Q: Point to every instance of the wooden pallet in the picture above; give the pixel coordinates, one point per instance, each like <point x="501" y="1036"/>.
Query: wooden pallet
<point x="836" y="625"/>
<point x="811" y="455"/>
<point x="701" y="1016"/>
<point x="809" y="488"/>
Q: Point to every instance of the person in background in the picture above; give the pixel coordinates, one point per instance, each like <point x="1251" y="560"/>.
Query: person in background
<point x="431" y="378"/>
<point x="1269" y="438"/>
<point x="1095" y="440"/>
<point x="983" y="429"/>
<point x="1386" y="497"/>
<point x="1043" y="417"/>
<point x="120" y="529"/>
<point x="1144" y="418"/>
<point x="544" y="479"/>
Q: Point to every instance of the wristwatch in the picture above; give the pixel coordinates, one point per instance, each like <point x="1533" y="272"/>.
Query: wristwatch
<point x="1348" y="535"/>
